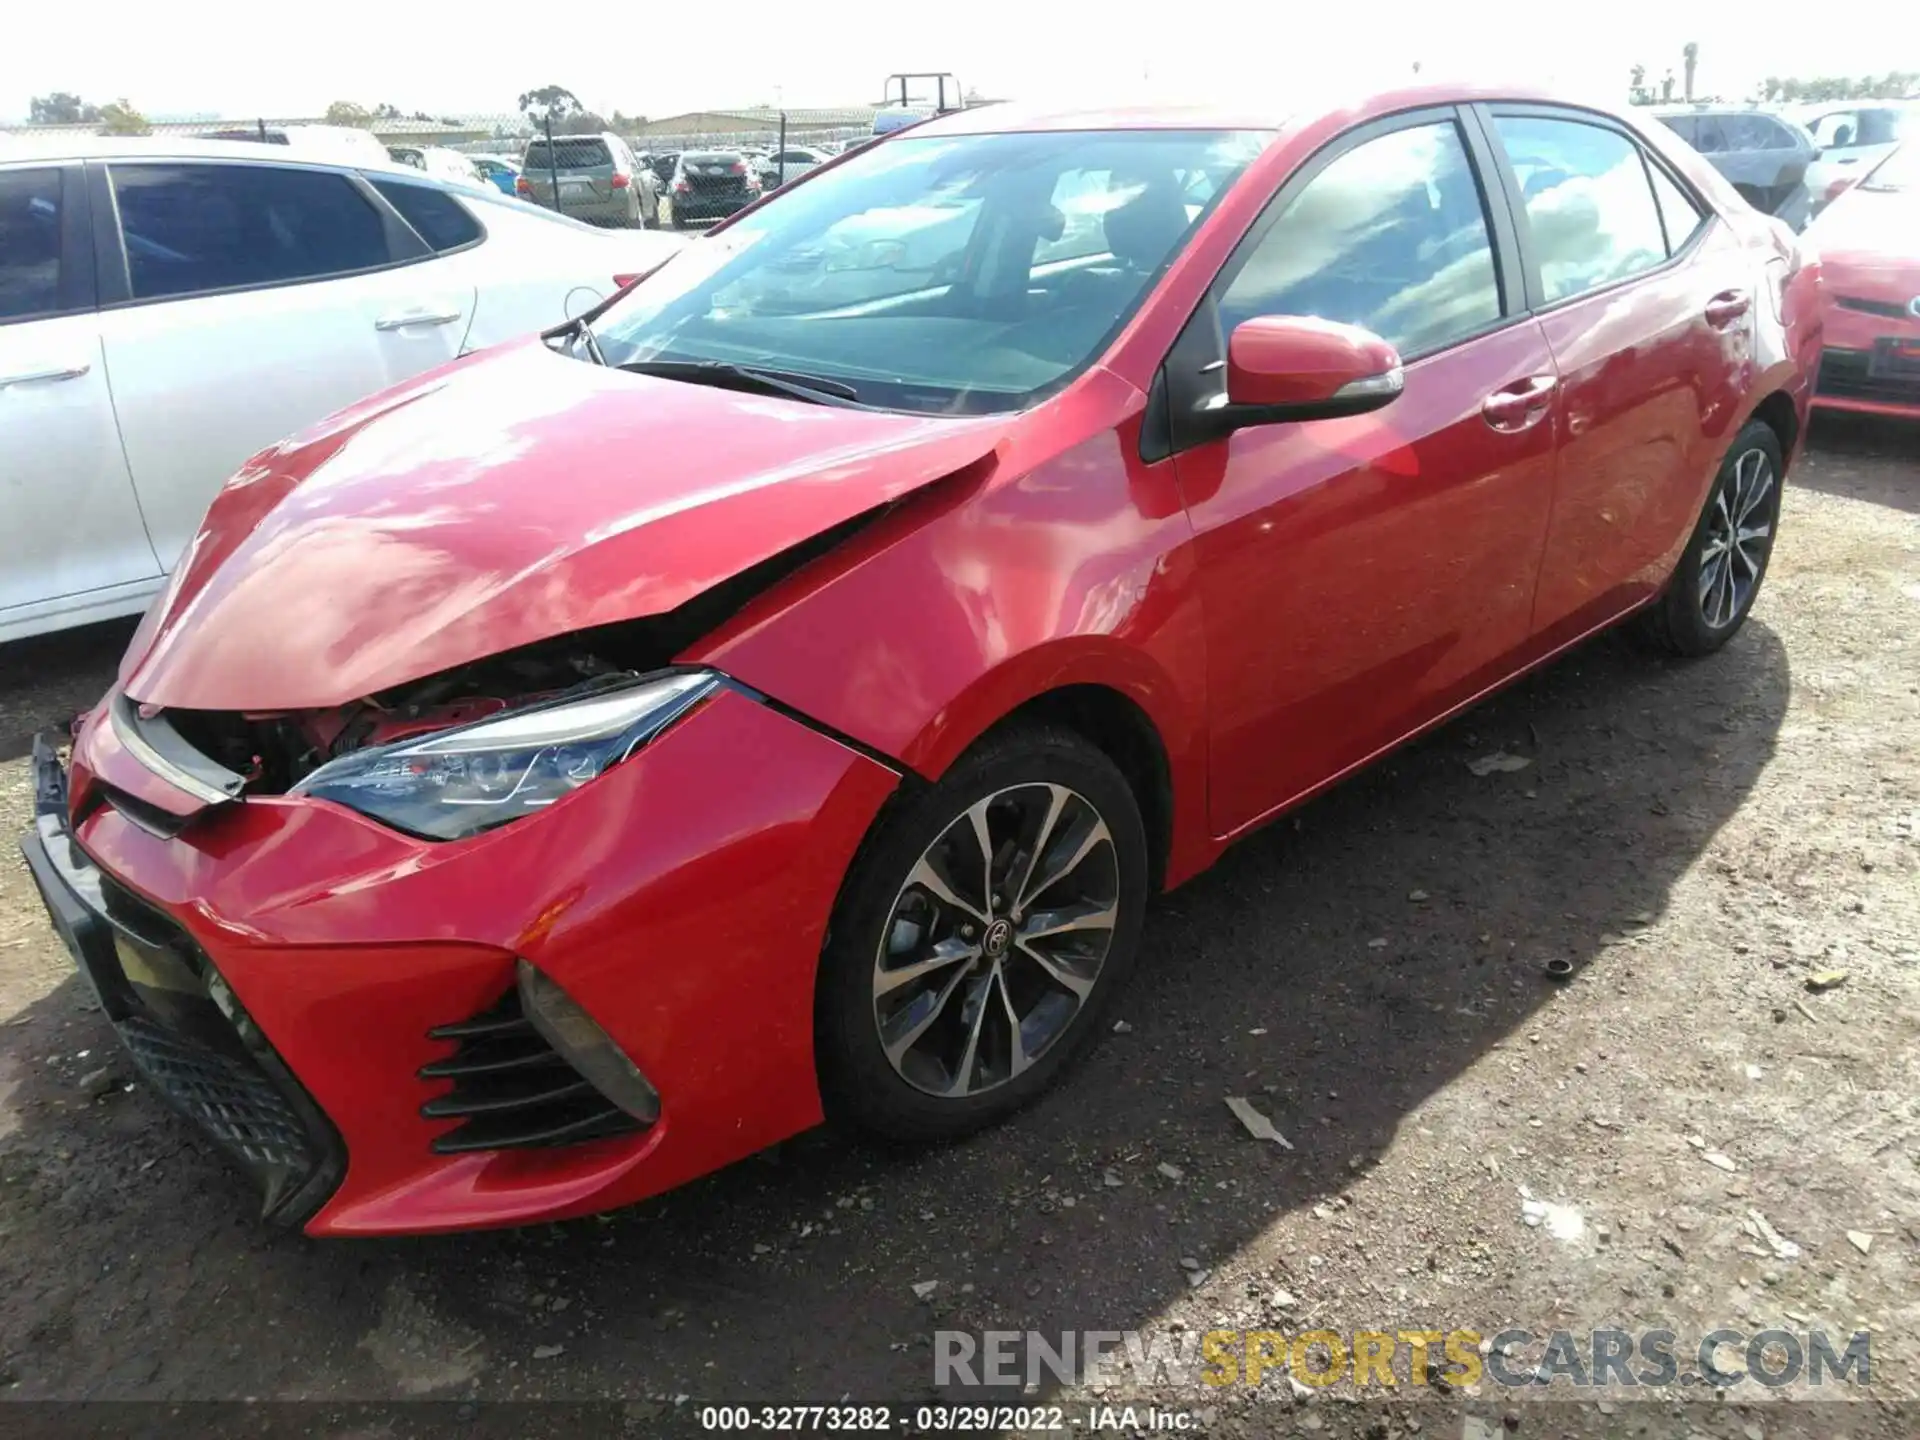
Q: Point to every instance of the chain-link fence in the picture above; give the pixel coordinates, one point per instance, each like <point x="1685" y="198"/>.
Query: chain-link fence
<point x="677" y="172"/>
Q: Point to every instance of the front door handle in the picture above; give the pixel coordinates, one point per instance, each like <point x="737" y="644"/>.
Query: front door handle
<point x="1727" y="307"/>
<point x="31" y="377"/>
<point x="1521" y="405"/>
<point x="416" y="317"/>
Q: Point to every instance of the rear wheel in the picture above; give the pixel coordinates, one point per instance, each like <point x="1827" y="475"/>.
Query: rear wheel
<point x="649" y="214"/>
<point x="1718" y="577"/>
<point x="982" y="934"/>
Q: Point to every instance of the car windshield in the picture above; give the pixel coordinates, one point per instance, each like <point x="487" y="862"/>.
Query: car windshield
<point x="954" y="274"/>
<point x="1899" y="171"/>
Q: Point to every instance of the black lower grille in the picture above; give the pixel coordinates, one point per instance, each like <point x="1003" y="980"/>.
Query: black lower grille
<point x="512" y="1090"/>
<point x="190" y="1037"/>
<point x="232" y="1101"/>
<point x="1850" y="375"/>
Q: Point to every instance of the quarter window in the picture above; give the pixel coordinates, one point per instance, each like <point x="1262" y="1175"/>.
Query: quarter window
<point x="1678" y="213"/>
<point x="195" y="228"/>
<point x="29" y="243"/>
<point x="1588" y="203"/>
<point x="441" y="220"/>
<point x="1391" y="236"/>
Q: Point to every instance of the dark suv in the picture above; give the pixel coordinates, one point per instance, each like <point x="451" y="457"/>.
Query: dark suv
<point x="709" y="185"/>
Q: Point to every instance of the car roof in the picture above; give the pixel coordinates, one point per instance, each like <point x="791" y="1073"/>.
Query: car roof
<point x="56" y="148"/>
<point x="162" y="147"/>
<point x="1359" y="103"/>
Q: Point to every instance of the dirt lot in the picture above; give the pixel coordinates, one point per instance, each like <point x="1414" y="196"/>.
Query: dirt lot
<point x="1696" y="839"/>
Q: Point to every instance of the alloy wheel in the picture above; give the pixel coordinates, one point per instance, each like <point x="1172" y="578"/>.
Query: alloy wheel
<point x="996" y="940"/>
<point x="1739" y="532"/>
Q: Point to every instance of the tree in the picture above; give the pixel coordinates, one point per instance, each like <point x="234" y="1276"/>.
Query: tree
<point x="120" y="118"/>
<point x="554" y="100"/>
<point x="1666" y="86"/>
<point x="345" y="112"/>
<point x="60" y="108"/>
<point x="1770" y="89"/>
<point x="1690" y="57"/>
<point x="1637" y="91"/>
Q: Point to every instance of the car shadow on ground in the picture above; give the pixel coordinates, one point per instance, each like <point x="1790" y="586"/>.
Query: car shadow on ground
<point x="1340" y="968"/>
<point x="1839" y="441"/>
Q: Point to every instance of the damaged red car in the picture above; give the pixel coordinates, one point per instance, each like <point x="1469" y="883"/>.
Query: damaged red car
<point x="778" y="694"/>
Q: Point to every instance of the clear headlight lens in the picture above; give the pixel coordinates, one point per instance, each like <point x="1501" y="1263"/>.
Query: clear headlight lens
<point x="458" y="782"/>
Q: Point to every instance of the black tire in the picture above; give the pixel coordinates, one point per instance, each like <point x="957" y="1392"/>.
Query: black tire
<point x="1693" y="619"/>
<point x="650" y="215"/>
<point x="861" y="1086"/>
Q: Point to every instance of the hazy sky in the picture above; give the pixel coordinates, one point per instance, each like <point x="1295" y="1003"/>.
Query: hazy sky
<point x="643" y="60"/>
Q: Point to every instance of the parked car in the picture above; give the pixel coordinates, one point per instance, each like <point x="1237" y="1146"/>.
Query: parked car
<point x="1853" y="137"/>
<point x="441" y="163"/>
<point x="1765" y="156"/>
<point x="498" y="171"/>
<point x="589" y="763"/>
<point x="1869" y="244"/>
<point x="600" y="180"/>
<point x="210" y="299"/>
<point x="708" y="185"/>
<point x="662" y="165"/>
<point x="789" y="164"/>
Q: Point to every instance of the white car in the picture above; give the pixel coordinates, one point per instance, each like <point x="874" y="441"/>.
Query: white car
<point x="790" y="164"/>
<point x="1853" y="136"/>
<point x="167" y="309"/>
<point x="442" y="164"/>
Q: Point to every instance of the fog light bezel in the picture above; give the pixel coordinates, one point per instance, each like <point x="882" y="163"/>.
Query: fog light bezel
<point x="577" y="1038"/>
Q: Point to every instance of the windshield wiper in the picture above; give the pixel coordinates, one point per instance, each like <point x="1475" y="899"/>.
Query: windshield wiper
<point x="579" y="333"/>
<point x="818" y="389"/>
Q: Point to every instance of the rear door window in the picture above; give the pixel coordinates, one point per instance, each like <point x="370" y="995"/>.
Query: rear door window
<point x="439" y="219"/>
<point x="1589" y="205"/>
<point x="191" y="229"/>
<point x="29" y="244"/>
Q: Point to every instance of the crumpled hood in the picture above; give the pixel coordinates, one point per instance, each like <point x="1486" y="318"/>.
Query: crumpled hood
<point x="498" y="501"/>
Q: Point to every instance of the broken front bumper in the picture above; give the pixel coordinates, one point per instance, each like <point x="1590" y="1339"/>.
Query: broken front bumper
<point x="681" y="900"/>
<point x="184" y="1029"/>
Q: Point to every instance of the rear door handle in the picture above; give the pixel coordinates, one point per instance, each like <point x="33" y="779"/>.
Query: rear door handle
<point x="31" y="377"/>
<point x="1727" y="307"/>
<point x="410" y="318"/>
<point x="1522" y="404"/>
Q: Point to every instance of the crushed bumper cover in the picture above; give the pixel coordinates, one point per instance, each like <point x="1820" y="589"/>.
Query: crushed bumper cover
<point x="681" y="899"/>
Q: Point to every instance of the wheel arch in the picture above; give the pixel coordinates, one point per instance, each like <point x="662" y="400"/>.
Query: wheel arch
<point x="1119" y="700"/>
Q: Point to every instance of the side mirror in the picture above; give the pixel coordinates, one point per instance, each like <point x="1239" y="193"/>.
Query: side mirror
<point x="1295" y="367"/>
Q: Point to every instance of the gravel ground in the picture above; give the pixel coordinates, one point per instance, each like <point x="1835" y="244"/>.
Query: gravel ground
<point x="1696" y="839"/>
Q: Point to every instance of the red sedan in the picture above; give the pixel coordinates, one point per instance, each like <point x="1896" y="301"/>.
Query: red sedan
<point x="778" y="694"/>
<point x="1869" y="246"/>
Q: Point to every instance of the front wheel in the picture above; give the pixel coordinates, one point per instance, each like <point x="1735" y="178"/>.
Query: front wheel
<point x="1718" y="577"/>
<point x="981" y="935"/>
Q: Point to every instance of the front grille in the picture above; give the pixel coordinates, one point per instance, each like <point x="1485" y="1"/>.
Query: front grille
<point x="512" y="1090"/>
<point x="1874" y="307"/>
<point x="1848" y="375"/>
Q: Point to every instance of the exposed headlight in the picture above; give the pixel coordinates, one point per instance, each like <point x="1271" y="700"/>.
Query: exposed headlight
<point x="458" y="782"/>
